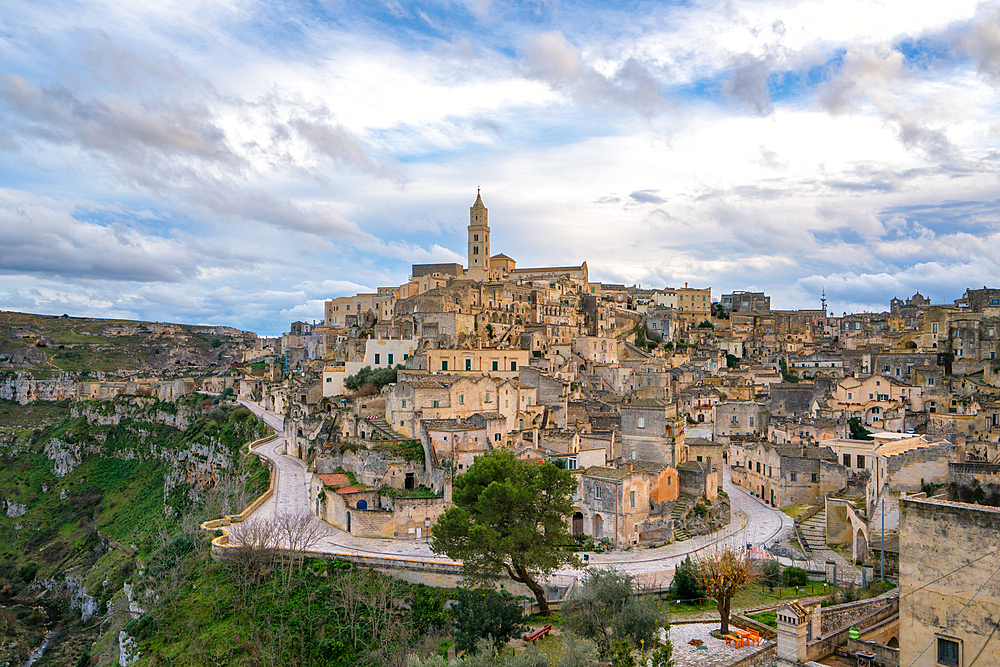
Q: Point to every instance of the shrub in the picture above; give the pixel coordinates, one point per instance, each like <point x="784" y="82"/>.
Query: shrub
<point x="482" y="613"/>
<point x="684" y="586"/>
<point x="795" y="576"/>
<point x="770" y="573"/>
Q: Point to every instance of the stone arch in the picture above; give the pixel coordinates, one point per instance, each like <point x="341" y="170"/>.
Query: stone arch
<point x="598" y="527"/>
<point x="362" y="504"/>
<point x="860" y="547"/>
<point x="893" y="643"/>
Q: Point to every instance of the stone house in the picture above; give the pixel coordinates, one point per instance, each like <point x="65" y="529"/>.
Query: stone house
<point x="949" y="598"/>
<point x="612" y="503"/>
<point x="785" y="475"/>
<point x="460" y="440"/>
<point x="871" y="398"/>
<point x="698" y="402"/>
<point x="740" y="418"/>
<point x="653" y="431"/>
<point x="409" y="401"/>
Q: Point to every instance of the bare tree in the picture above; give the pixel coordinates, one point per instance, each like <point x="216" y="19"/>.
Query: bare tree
<point x="723" y="573"/>
<point x="252" y="554"/>
<point x="298" y="533"/>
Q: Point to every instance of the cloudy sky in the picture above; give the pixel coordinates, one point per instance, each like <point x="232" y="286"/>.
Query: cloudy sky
<point x="240" y="162"/>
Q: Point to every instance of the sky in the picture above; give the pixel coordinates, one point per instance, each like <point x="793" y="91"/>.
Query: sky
<point x="238" y="163"/>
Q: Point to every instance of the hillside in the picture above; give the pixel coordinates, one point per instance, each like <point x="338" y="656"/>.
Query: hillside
<point x="90" y="492"/>
<point x="45" y="346"/>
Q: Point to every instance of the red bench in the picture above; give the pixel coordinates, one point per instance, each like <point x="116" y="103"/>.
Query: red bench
<point x="538" y="634"/>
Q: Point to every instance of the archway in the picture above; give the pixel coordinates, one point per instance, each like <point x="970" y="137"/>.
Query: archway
<point x="860" y="547"/>
<point x="578" y="523"/>
<point x="362" y="504"/>
<point x="893" y="643"/>
<point x="701" y="417"/>
<point x="348" y="522"/>
<point x="598" y="527"/>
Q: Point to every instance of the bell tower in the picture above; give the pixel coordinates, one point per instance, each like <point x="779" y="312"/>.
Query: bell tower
<point x="479" y="240"/>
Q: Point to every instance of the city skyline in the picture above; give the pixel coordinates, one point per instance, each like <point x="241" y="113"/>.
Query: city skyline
<point x="242" y="164"/>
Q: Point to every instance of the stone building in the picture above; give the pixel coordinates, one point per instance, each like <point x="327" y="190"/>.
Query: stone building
<point x="740" y="418"/>
<point x="785" y="475"/>
<point x="949" y="594"/>
<point x="653" y="431"/>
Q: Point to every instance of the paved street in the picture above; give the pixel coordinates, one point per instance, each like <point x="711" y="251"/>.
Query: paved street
<point x="752" y="522"/>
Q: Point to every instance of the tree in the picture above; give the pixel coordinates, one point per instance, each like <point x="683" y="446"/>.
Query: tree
<point x="732" y="361"/>
<point x="509" y="517"/>
<point x="484" y="613"/>
<point x="685" y="586"/>
<point x="858" y="432"/>
<point x="770" y="572"/>
<point x="722" y="574"/>
<point x="795" y="576"/>
<point x="621" y="654"/>
<point x="606" y="608"/>
<point x="378" y="378"/>
<point x="664" y="656"/>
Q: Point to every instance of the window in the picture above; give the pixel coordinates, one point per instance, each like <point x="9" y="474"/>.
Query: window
<point x="513" y="365"/>
<point x="735" y="420"/>
<point x="814" y="478"/>
<point x="376" y="359"/>
<point x="947" y="651"/>
<point x="632" y="499"/>
<point x="795" y="477"/>
<point x="847" y="460"/>
<point x="496" y="365"/>
<point x="758" y="466"/>
<point x="390" y="360"/>
<point x="404" y="403"/>
<point x="444" y="365"/>
<point x="488" y="397"/>
<point x="934" y="327"/>
<point x="506" y="403"/>
<point x="751" y="422"/>
<point x="597" y="492"/>
<point x="405" y="357"/>
<point x="436" y="404"/>
<point x="496" y="436"/>
<point x="475" y="237"/>
<point x="640" y="422"/>
<point x="468" y="364"/>
<point x="329" y="379"/>
<point x="461" y="399"/>
<point x="861" y="461"/>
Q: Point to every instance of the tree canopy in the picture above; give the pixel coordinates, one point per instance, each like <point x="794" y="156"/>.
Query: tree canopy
<point x="606" y="608"/>
<point x="378" y="377"/>
<point x="509" y="517"/>
<point x="722" y="574"/>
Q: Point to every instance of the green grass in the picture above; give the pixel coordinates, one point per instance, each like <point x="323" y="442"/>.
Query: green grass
<point x="795" y="510"/>
<point x="768" y="618"/>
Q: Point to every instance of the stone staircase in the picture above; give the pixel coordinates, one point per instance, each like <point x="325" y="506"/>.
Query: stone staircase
<point x="382" y="430"/>
<point x="813" y="532"/>
<point x="678" y="512"/>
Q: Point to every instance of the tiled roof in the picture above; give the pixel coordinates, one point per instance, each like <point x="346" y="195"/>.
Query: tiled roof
<point x="602" y="472"/>
<point x="349" y="489"/>
<point x="335" y="479"/>
<point x="894" y="447"/>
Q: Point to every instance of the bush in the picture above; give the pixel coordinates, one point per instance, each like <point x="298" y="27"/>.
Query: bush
<point x="684" y="586"/>
<point x="378" y="378"/>
<point x="770" y="573"/>
<point x="482" y="613"/>
<point x="795" y="576"/>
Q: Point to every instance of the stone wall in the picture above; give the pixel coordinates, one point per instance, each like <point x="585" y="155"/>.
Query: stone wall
<point x="884" y="655"/>
<point x="946" y="561"/>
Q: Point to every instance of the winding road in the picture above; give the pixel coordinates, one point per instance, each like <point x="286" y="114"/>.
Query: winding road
<point x="752" y="521"/>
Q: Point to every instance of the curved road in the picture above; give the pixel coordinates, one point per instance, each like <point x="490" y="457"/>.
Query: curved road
<point x="752" y="521"/>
